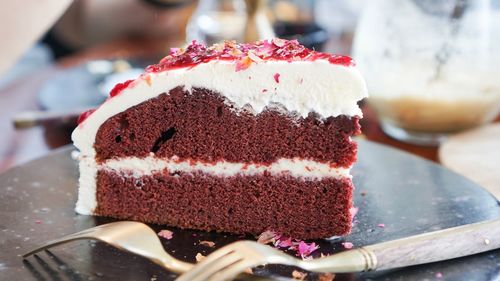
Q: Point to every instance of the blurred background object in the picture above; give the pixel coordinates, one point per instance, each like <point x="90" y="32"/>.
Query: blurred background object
<point x="218" y="20"/>
<point x="431" y="66"/>
<point x="97" y="43"/>
<point x="34" y="16"/>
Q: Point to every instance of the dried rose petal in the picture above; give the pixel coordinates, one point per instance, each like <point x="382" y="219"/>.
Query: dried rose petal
<point x="304" y="249"/>
<point x="347" y="245"/>
<point x="285" y="243"/>
<point x="381" y="225"/>
<point x="243" y="64"/>
<point x="439" y="275"/>
<point x="279" y="42"/>
<point x="165" y="233"/>
<point x="353" y="211"/>
<point x="254" y="57"/>
<point x="276" y="77"/>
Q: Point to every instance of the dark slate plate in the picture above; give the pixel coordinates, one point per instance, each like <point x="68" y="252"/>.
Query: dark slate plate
<point x="407" y="194"/>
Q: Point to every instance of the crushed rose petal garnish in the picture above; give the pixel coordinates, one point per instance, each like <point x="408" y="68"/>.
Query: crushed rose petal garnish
<point x="348" y="245"/>
<point x="439" y="275"/>
<point x="277" y="77"/>
<point x="207" y="243"/>
<point x="381" y="225"/>
<point x="84" y="115"/>
<point x="353" y="211"/>
<point x="244" y="54"/>
<point x="306" y="249"/>
<point x="301" y="248"/>
<point x="165" y="233"/>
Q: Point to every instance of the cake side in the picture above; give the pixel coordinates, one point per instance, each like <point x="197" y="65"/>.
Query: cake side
<point x="268" y="118"/>
<point x="292" y="206"/>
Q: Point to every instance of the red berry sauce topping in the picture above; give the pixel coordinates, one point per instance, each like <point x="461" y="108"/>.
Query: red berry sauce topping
<point x="84" y="115"/>
<point x="119" y="88"/>
<point x="244" y="54"/>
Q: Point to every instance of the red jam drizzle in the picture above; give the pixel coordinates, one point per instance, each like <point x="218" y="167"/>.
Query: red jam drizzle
<point x="244" y="54"/>
<point x="84" y="116"/>
<point x="119" y="88"/>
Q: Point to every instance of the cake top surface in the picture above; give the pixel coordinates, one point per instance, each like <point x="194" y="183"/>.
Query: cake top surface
<point x="266" y="75"/>
<point x="244" y="54"/>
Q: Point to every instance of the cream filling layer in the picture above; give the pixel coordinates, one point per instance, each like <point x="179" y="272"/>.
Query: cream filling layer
<point x="295" y="167"/>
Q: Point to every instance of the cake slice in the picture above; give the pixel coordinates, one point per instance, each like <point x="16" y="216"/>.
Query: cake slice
<point x="239" y="138"/>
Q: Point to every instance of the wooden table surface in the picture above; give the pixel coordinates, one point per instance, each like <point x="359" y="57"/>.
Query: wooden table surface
<point x="19" y="146"/>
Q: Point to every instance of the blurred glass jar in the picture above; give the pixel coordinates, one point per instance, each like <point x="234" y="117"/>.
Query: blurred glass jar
<point x="432" y="66"/>
<point x="218" y="20"/>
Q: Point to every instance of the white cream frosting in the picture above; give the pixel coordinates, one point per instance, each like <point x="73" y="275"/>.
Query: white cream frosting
<point x="296" y="167"/>
<point x="304" y="86"/>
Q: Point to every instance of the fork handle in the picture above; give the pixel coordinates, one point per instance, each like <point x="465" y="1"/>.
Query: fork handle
<point x="436" y="246"/>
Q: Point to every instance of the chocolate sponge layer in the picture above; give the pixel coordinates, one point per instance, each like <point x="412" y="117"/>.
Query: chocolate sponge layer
<point x="202" y="125"/>
<point x="295" y="207"/>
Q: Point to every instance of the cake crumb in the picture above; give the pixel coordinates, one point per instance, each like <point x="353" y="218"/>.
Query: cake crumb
<point x="348" y="245"/>
<point x="439" y="275"/>
<point x="486" y="241"/>
<point x="299" y="275"/>
<point x="199" y="257"/>
<point x="207" y="243"/>
<point x="165" y="233"/>
<point x="248" y="270"/>
<point x="326" y="277"/>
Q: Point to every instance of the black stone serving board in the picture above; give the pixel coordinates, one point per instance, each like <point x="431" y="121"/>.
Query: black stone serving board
<point x="407" y="194"/>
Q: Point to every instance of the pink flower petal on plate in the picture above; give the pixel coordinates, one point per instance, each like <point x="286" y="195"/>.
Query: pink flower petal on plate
<point x="353" y="211"/>
<point x="304" y="249"/>
<point x="381" y="225"/>
<point x="347" y="245"/>
<point x="287" y="243"/>
<point x="165" y="233"/>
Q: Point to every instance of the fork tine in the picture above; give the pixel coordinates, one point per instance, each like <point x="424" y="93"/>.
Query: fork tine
<point x="230" y="272"/>
<point x="63" y="240"/>
<point x="84" y="234"/>
<point x="204" y="270"/>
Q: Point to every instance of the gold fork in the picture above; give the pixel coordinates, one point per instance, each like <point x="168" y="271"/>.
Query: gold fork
<point x="134" y="237"/>
<point x="228" y="261"/>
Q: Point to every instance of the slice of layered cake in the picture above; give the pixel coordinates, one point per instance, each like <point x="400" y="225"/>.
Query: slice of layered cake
<point x="239" y="138"/>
